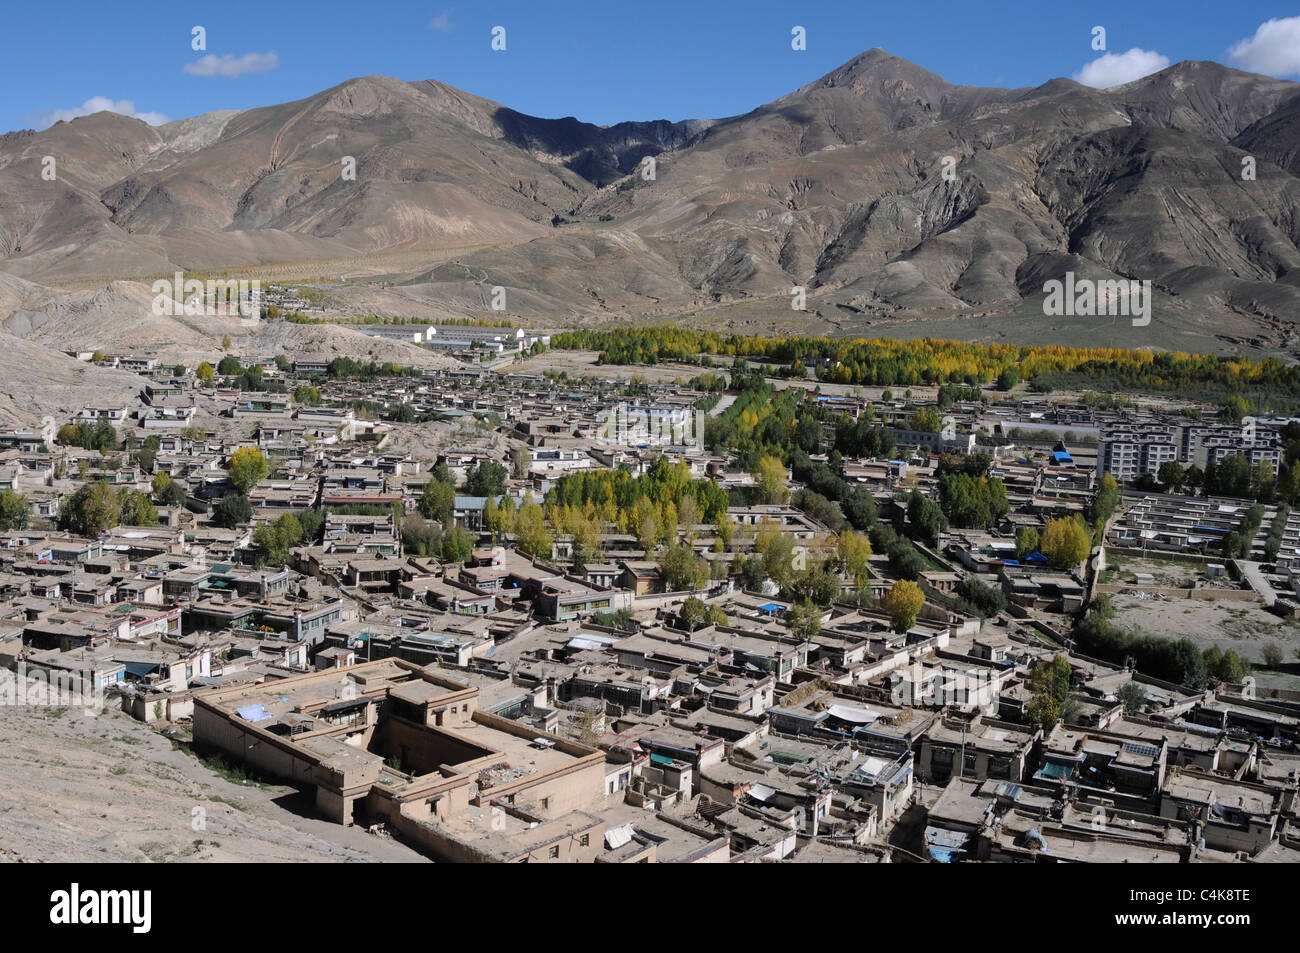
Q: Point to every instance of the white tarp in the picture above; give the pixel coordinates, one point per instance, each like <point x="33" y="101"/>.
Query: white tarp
<point x="859" y="716"/>
<point x="584" y="643"/>
<point x="616" y="837"/>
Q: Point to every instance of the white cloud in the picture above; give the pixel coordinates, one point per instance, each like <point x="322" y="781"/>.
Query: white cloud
<point x="1274" y="49"/>
<point x="231" y="65"/>
<point x="442" y="22"/>
<point x="1116" y="69"/>
<point x="96" y="104"/>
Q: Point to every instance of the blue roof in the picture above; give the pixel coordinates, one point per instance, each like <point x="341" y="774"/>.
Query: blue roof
<point x="1035" y="558"/>
<point x="770" y="607"/>
<point x="1011" y="562"/>
<point x="1062" y="455"/>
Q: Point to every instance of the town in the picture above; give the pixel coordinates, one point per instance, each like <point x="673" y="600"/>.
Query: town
<point x="608" y="597"/>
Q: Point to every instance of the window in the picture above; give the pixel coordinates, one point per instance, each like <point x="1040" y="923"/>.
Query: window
<point x="585" y="840"/>
<point x="555" y="853"/>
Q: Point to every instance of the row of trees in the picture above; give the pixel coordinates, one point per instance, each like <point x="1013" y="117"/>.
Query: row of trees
<point x="1232" y="476"/>
<point x="1180" y="661"/>
<point x="99" y="436"/>
<point x="926" y="360"/>
<point x="95" y="507"/>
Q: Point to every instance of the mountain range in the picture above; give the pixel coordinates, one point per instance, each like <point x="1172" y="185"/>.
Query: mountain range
<point x="903" y="204"/>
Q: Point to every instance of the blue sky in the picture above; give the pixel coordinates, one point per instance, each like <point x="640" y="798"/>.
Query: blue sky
<point x="601" y="62"/>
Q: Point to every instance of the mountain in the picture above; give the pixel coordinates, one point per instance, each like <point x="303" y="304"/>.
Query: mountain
<point x="904" y="204"/>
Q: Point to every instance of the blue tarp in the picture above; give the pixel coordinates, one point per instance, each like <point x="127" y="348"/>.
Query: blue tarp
<point x="770" y="607"/>
<point x="253" y="713"/>
<point x="1063" y="456"/>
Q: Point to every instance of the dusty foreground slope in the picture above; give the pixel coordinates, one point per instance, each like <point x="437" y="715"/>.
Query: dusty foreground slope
<point x="75" y="788"/>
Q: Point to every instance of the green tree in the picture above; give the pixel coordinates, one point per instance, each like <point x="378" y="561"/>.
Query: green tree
<point x="306" y="394"/>
<point x="586" y="541"/>
<point x="817" y="586"/>
<point x="421" y="537"/>
<point x="161" y="481"/>
<point x="173" y="495"/>
<point x="770" y="481"/>
<point x="1027" y="541"/>
<point x="520" y="461"/>
<point x="926" y="420"/>
<point x="135" y="509"/>
<point x="231" y="512"/>
<point x="531" y="531"/>
<point x="1049" y="683"/>
<point x="778" y="552"/>
<point x="1132" y="695"/>
<point x="438" y="501"/>
<point x="456" y="545"/>
<point x="854" y="552"/>
<point x="1065" y="542"/>
<point x="91" y="509"/>
<point x="1263" y="482"/>
<point x="804" y="620"/>
<point x="275" y="541"/>
<point x="925" y="516"/>
<point x="1272" y="655"/>
<point x="486" y="479"/>
<point x="903" y="602"/>
<point x="693" y="613"/>
<point x="1172" y="475"/>
<point x="13" y="510"/>
<point x="248" y="467"/>
<point x="683" y="569"/>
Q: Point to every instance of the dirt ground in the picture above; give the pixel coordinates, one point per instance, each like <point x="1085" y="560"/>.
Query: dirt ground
<point x="1244" y="627"/>
<point x="1167" y="573"/>
<point x="76" y="788"/>
<point x="583" y="364"/>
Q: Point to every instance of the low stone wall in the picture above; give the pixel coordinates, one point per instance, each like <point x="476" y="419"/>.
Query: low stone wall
<point x="1206" y="592"/>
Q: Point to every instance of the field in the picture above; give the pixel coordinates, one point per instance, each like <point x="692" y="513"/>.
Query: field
<point x="1244" y="627"/>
